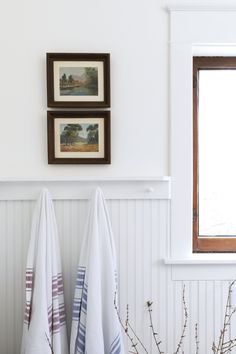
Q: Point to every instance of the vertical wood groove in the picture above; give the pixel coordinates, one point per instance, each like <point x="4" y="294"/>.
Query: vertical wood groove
<point x="141" y="232"/>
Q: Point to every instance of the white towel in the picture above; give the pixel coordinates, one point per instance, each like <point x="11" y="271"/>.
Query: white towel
<point x="44" y="329"/>
<point x="95" y="326"/>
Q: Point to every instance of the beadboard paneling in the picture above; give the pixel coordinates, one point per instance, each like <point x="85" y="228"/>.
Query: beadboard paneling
<point x="141" y="231"/>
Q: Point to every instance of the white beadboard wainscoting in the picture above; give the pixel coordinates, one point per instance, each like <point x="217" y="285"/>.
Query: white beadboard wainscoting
<point x="140" y="216"/>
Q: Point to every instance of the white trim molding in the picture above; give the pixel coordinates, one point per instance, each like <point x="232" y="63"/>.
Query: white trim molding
<point x="69" y="189"/>
<point x="190" y="27"/>
<point x="207" y="7"/>
<point x="199" y="261"/>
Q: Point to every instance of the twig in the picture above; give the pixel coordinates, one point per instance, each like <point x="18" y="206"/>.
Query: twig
<point x="154" y="333"/>
<point x="49" y="343"/>
<point x="125" y="328"/>
<point x="185" y="323"/>
<point x="133" y="331"/>
<point x="222" y="346"/>
<point x="196" y="338"/>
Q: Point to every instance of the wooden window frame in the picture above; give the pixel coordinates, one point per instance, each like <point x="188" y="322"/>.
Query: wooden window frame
<point x="203" y="243"/>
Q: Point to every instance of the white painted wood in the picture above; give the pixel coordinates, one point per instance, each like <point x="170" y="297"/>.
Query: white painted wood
<point x="193" y="310"/>
<point x="86" y="179"/>
<point x="190" y="27"/>
<point x="196" y="33"/>
<point x="214" y="50"/>
<point x="181" y="151"/>
<point x="113" y="189"/>
<point x="208" y="6"/>
<point x="210" y="311"/>
<point x="202" y="317"/>
<point x="201" y="260"/>
<point x="203" y="272"/>
<point x="141" y="228"/>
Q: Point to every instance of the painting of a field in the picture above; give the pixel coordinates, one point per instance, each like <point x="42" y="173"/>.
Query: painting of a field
<point x="79" y="137"/>
<point x="83" y="137"/>
<point x="78" y="81"/>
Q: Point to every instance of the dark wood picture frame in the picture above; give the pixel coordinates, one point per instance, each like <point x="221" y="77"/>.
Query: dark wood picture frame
<point x="203" y="243"/>
<point x="76" y="86"/>
<point x="56" y="120"/>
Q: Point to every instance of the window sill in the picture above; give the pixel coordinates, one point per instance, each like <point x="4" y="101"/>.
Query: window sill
<point x="211" y="260"/>
<point x="211" y="267"/>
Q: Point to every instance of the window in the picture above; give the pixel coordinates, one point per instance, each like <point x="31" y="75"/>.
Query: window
<point x="214" y="154"/>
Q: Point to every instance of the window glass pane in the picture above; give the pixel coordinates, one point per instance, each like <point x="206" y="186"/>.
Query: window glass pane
<point x="217" y="152"/>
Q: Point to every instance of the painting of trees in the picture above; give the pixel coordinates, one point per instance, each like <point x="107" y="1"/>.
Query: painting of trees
<point x="70" y="80"/>
<point x="92" y="136"/>
<point x="70" y="133"/>
<point x="92" y="77"/>
<point x="63" y="80"/>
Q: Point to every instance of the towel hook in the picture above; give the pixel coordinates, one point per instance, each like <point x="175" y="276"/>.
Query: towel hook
<point x="149" y="189"/>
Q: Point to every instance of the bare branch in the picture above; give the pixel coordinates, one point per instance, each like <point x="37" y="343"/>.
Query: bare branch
<point x="49" y="343"/>
<point x="129" y="326"/>
<point x="185" y="323"/>
<point x="125" y="327"/>
<point x="196" y="338"/>
<point x="225" y="346"/>
<point x="154" y="333"/>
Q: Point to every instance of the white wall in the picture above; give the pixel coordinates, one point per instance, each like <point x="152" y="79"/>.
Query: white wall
<point x="134" y="32"/>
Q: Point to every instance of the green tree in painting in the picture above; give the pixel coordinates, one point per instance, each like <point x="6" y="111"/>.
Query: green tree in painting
<point x="70" y="133"/>
<point x="70" y="80"/>
<point x="92" y="130"/>
<point x="63" y="80"/>
<point x="92" y="77"/>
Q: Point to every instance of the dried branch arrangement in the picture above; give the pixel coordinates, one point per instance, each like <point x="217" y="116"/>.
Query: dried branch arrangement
<point x="223" y="346"/>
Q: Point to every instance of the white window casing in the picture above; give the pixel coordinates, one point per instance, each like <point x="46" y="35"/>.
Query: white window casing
<point x="193" y="31"/>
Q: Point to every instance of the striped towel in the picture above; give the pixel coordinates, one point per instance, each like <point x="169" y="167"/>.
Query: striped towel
<point x="95" y="326"/>
<point x="44" y="330"/>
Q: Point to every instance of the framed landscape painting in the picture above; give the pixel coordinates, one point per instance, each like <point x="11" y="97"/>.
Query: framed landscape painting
<point x="78" y="137"/>
<point x="78" y="80"/>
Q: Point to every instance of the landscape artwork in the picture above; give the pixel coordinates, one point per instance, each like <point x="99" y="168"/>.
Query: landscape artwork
<point x="78" y="81"/>
<point x="79" y="137"/>
<point x="82" y="137"/>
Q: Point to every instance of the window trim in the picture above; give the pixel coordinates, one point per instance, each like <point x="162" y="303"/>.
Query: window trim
<point x="202" y="243"/>
<point x="207" y="39"/>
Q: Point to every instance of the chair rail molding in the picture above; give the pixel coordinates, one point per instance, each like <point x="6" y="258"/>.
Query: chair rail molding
<point x="114" y="188"/>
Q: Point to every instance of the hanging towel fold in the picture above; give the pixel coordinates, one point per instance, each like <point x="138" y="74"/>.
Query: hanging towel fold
<point x="44" y="330"/>
<point x="95" y="326"/>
